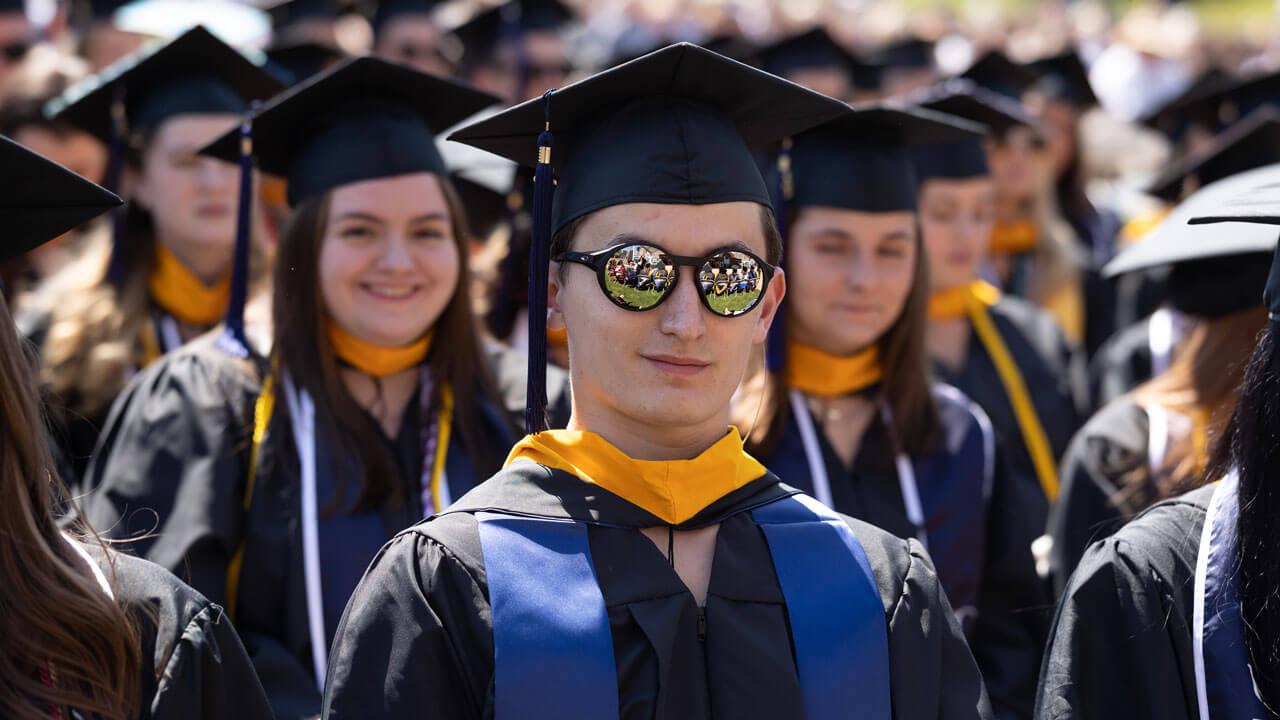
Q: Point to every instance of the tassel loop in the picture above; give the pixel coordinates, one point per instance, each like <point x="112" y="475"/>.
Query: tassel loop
<point x="233" y="340"/>
<point x="539" y="266"/>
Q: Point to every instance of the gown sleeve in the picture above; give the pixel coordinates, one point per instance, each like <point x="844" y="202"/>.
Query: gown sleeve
<point x="1101" y="459"/>
<point x="415" y="636"/>
<point x="1009" y="635"/>
<point x="1121" y="644"/>
<point x="170" y="470"/>
<point x="208" y="675"/>
<point x="932" y="674"/>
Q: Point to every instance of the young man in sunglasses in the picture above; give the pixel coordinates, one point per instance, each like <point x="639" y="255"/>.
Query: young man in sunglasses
<point x="640" y="564"/>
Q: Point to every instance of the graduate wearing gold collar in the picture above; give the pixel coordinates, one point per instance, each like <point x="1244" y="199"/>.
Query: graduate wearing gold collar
<point x="374" y="406"/>
<point x="640" y="564"/>
<point x="165" y="277"/>
<point x="848" y="409"/>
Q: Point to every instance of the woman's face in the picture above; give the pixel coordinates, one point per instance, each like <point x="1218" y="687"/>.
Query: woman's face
<point x="1016" y="161"/>
<point x="389" y="263"/>
<point x="956" y="218"/>
<point x="1060" y="122"/>
<point x="192" y="198"/>
<point x="850" y="274"/>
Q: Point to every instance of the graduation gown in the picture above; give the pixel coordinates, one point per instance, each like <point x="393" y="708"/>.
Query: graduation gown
<point x="193" y="665"/>
<point x="987" y="570"/>
<point x="417" y="637"/>
<point x="174" y="459"/>
<point x="1122" y="641"/>
<point x="1054" y="375"/>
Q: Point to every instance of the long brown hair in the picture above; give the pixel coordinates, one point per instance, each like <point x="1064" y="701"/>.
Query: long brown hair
<point x="301" y="324"/>
<point x="763" y="411"/>
<point x="1202" y="383"/>
<point x="57" y="619"/>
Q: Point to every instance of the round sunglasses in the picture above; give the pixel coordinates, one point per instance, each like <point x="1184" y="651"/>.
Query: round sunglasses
<point x="641" y="276"/>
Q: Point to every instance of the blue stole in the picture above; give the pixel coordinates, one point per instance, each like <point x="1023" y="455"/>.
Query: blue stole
<point x="1224" y="680"/>
<point x="553" y="647"/>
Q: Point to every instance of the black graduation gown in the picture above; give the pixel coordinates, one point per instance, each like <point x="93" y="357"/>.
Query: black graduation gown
<point x="1054" y="374"/>
<point x="75" y="435"/>
<point x="193" y="665"/>
<point x="417" y="638"/>
<point x="1121" y="364"/>
<point x="1122" y="642"/>
<point x="1009" y="632"/>
<point x="174" y="458"/>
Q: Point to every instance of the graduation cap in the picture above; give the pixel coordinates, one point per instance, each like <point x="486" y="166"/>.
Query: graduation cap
<point x="996" y="72"/>
<point x="1252" y="142"/>
<point x="299" y="61"/>
<point x="909" y="53"/>
<point x="40" y="200"/>
<point x="388" y="10"/>
<point x="1063" y="77"/>
<point x="13" y="6"/>
<point x="815" y="49"/>
<point x="966" y="99"/>
<point x="860" y="161"/>
<point x="676" y="126"/>
<point x="365" y="119"/>
<point x="483" y="33"/>
<point x="1173" y="117"/>
<point x="195" y="73"/>
<point x="1228" y="102"/>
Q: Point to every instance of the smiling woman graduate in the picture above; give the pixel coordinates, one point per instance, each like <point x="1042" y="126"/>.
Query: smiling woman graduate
<point x="166" y="277"/>
<point x="88" y="631"/>
<point x="640" y="564"/>
<point x="850" y="412"/>
<point x="275" y="479"/>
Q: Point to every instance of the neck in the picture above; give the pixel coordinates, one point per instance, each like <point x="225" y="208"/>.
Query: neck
<point x="644" y="441"/>
<point x="384" y="398"/>
<point x="210" y="264"/>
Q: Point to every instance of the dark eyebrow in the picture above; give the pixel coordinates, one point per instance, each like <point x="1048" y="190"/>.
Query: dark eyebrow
<point x="356" y="215"/>
<point x="838" y="232"/>
<point x="896" y="235"/>
<point x="629" y="238"/>
<point x="429" y="217"/>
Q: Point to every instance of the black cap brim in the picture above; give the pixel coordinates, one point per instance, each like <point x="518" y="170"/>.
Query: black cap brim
<point x="40" y="200"/>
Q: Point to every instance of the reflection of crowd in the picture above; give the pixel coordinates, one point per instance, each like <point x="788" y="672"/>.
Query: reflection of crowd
<point x="732" y="281"/>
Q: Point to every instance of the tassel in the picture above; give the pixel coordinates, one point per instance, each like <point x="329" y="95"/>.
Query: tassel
<point x="233" y="340"/>
<point x="784" y="192"/>
<point x="535" y="418"/>
<point x="114" y="170"/>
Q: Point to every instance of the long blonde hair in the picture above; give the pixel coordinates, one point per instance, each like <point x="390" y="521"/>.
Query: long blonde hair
<point x="1203" y="384"/>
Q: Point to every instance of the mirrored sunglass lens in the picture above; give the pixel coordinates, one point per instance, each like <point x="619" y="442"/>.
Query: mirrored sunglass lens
<point x="732" y="282"/>
<point x="638" y="276"/>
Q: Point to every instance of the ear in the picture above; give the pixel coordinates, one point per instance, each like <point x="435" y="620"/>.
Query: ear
<point x="769" y="305"/>
<point x="555" y="314"/>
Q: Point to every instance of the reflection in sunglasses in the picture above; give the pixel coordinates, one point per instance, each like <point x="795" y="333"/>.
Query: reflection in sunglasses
<point x="639" y="277"/>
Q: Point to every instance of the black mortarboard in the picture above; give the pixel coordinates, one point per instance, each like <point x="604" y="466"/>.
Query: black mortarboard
<point x="1189" y="107"/>
<point x="676" y="126"/>
<point x="194" y="73"/>
<point x="289" y="12"/>
<point x="487" y="30"/>
<point x="910" y="53"/>
<point x="1247" y="196"/>
<point x="1063" y="77"/>
<point x="1227" y="102"/>
<point x="966" y="99"/>
<point x="40" y="200"/>
<point x="1250" y="143"/>
<point x="388" y="10"/>
<point x="300" y="61"/>
<point x="812" y="49"/>
<point x="996" y="72"/>
<point x="365" y="119"/>
<point x="862" y="160"/>
<point x="13" y="6"/>
<point x="1215" y="271"/>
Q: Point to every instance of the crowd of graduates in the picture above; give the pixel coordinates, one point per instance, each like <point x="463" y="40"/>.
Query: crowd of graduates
<point x="964" y="406"/>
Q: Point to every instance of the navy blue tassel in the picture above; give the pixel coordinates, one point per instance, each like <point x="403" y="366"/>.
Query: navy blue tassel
<point x="233" y="340"/>
<point x="115" y="168"/>
<point x="783" y="192"/>
<point x="535" y="418"/>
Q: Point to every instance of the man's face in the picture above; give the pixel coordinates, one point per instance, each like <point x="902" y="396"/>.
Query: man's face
<point x="676" y="365"/>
